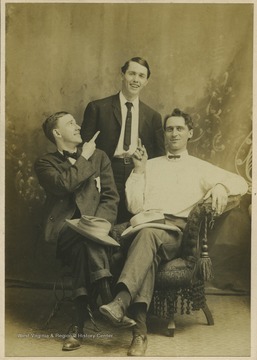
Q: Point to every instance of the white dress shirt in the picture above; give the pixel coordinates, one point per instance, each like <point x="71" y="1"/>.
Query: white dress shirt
<point x="174" y="186"/>
<point x="120" y="152"/>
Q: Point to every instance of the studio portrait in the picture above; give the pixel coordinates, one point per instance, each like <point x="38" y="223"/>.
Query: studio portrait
<point x="128" y="179"/>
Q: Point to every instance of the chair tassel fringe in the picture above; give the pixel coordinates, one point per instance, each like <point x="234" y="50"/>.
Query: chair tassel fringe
<point x="204" y="268"/>
<point x="204" y="265"/>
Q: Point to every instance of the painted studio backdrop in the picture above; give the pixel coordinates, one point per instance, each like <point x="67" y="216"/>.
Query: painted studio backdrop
<point x="61" y="56"/>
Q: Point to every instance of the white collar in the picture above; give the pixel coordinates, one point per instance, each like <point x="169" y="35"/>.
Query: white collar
<point x="61" y="151"/>
<point x="182" y="155"/>
<point x="123" y="100"/>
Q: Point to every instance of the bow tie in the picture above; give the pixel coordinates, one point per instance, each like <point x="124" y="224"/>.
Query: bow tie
<point x="173" y="156"/>
<point x="68" y="154"/>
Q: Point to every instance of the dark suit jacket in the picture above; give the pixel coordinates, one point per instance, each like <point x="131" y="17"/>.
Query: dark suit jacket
<point x="68" y="186"/>
<point x="105" y="115"/>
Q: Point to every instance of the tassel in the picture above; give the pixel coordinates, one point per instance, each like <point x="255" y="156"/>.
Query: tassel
<point x="204" y="266"/>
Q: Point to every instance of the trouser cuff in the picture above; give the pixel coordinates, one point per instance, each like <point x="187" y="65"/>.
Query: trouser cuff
<point x="97" y="275"/>
<point x="79" y="292"/>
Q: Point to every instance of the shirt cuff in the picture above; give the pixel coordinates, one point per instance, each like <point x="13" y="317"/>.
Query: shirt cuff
<point x="226" y="188"/>
<point x="135" y="176"/>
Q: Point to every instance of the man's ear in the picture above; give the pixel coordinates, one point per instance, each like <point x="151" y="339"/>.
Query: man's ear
<point x="122" y="75"/>
<point x="56" y="133"/>
<point x="191" y="133"/>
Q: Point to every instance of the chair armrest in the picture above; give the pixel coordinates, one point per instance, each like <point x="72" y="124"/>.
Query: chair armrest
<point x="194" y="249"/>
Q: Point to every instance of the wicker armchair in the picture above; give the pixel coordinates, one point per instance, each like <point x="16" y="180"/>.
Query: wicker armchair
<point x="184" y="278"/>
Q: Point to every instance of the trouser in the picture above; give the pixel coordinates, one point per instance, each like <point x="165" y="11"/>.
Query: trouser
<point x="149" y="247"/>
<point x="121" y="173"/>
<point x="87" y="259"/>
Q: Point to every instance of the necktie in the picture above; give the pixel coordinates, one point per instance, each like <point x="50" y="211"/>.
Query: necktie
<point x="68" y="154"/>
<point x="173" y="156"/>
<point x="127" y="134"/>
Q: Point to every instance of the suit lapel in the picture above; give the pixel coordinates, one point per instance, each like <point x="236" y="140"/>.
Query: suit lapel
<point x="116" y="108"/>
<point x="59" y="155"/>
<point x="59" y="161"/>
<point x="117" y="112"/>
<point x="142" y="117"/>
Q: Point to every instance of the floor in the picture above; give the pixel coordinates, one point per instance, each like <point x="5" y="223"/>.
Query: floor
<point x="27" y="311"/>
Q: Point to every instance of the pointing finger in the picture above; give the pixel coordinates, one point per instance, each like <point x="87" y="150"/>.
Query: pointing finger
<point x="95" y="136"/>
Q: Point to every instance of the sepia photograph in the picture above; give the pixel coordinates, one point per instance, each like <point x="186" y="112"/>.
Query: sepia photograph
<point x="127" y="138"/>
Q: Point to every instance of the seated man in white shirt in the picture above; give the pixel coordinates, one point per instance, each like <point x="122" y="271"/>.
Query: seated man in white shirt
<point x="172" y="185"/>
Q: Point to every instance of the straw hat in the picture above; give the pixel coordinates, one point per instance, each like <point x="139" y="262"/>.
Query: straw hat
<point x="93" y="228"/>
<point x="148" y="219"/>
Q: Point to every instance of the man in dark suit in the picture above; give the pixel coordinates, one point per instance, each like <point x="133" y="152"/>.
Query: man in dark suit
<point x="122" y="119"/>
<point x="77" y="181"/>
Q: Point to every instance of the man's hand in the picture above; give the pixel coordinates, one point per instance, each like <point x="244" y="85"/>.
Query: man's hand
<point x="219" y="198"/>
<point x="139" y="158"/>
<point x="88" y="148"/>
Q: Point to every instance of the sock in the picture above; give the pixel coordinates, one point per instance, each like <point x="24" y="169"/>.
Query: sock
<point x="80" y="311"/>
<point x="124" y="295"/>
<point x="139" y="311"/>
<point x="103" y="287"/>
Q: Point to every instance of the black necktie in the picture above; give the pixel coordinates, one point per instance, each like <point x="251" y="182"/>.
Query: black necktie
<point x="127" y="134"/>
<point x="173" y="156"/>
<point x="68" y="154"/>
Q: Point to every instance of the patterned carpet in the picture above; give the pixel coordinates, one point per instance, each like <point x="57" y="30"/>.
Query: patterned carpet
<point x="27" y="310"/>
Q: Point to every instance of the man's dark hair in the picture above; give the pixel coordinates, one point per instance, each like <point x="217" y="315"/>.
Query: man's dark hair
<point x="138" y="60"/>
<point x="178" y="112"/>
<point x="51" y="123"/>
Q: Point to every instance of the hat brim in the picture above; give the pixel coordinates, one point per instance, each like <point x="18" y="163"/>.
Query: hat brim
<point x="103" y="240"/>
<point x="132" y="230"/>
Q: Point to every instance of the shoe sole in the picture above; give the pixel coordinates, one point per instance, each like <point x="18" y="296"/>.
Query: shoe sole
<point x="109" y="316"/>
<point x="125" y="324"/>
<point x="70" y="349"/>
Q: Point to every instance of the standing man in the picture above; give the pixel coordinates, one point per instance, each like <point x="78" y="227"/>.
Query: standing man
<point x="77" y="181"/>
<point x="172" y="185"/>
<point x="122" y="119"/>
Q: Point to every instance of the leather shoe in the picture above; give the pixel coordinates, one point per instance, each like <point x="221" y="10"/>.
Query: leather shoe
<point x="138" y="345"/>
<point x="115" y="313"/>
<point x="126" y="323"/>
<point x="72" y="342"/>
